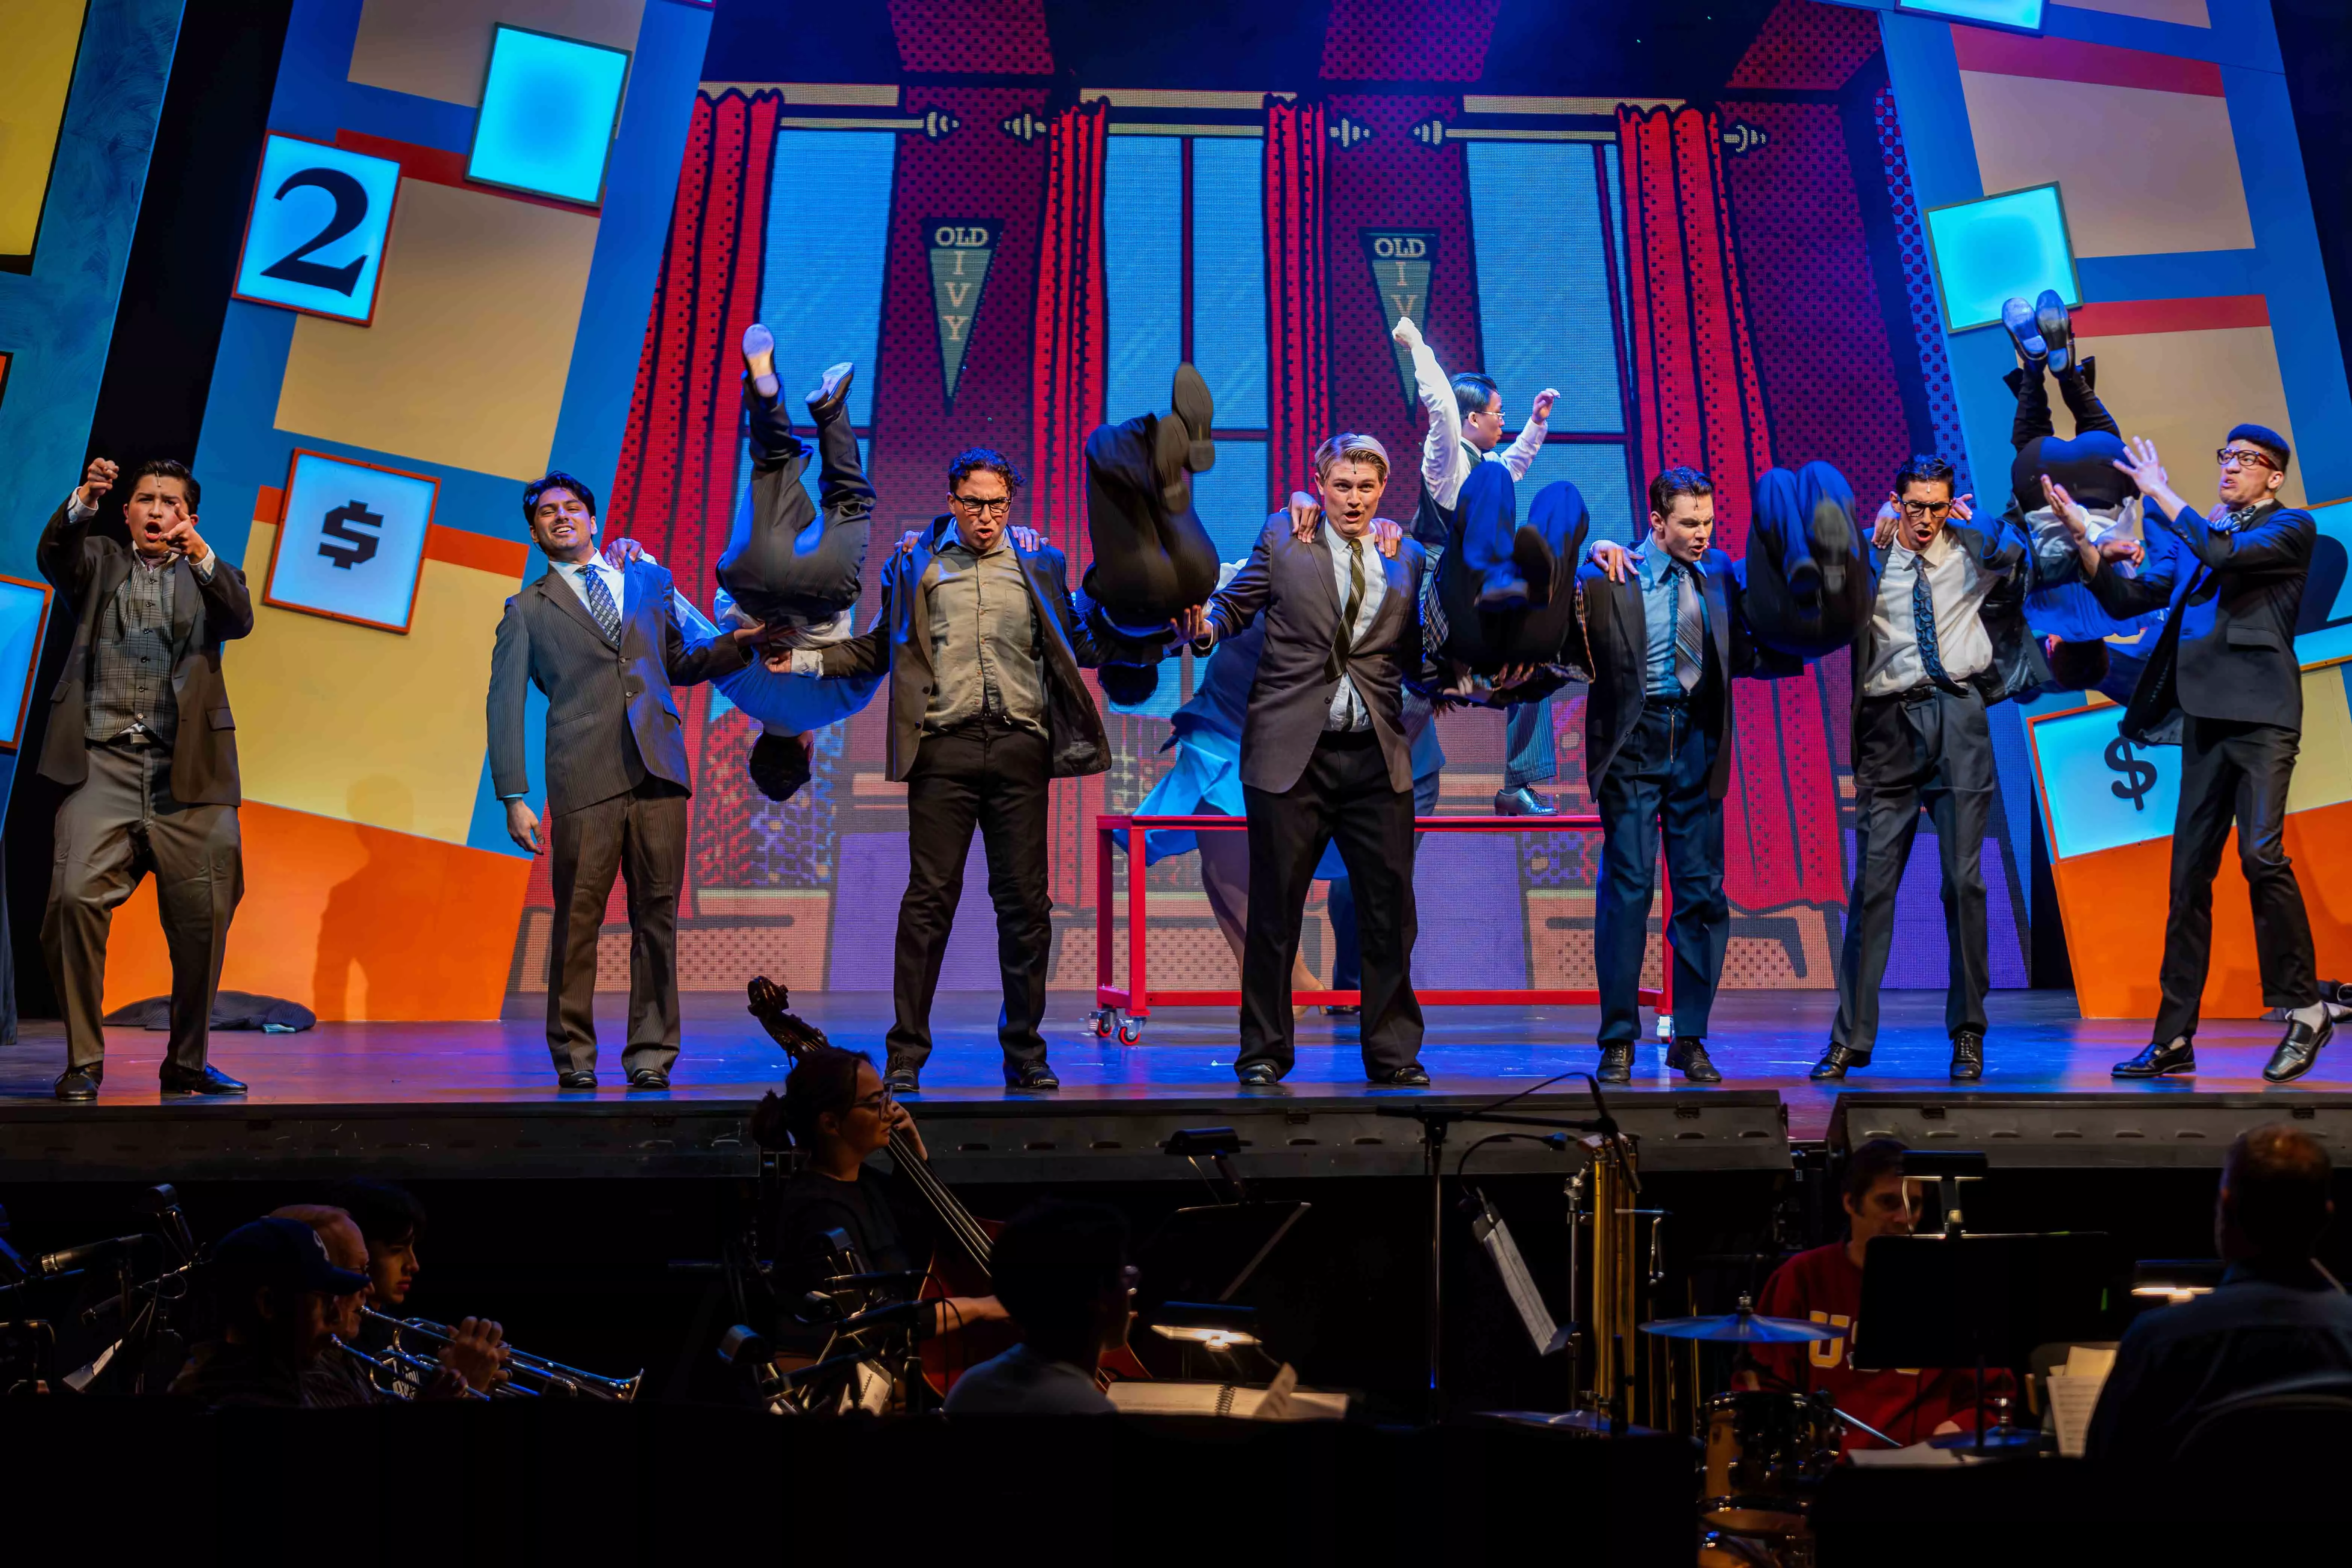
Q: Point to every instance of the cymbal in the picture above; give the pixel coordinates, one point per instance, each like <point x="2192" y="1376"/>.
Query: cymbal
<point x="1741" y="1328"/>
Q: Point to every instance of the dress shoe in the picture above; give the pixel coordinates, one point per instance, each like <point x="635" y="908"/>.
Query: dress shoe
<point x="1524" y="802"/>
<point x="2158" y="1059"/>
<point x="1181" y="443"/>
<point x="2056" y="330"/>
<point x="1502" y="594"/>
<point x="1033" y="1077"/>
<point x="902" y="1079"/>
<point x="833" y="390"/>
<point x="1968" y="1056"/>
<point x="575" y="1077"/>
<point x="1533" y="557"/>
<point x="1344" y="1010"/>
<point x="204" y="1080"/>
<point x="2298" y="1049"/>
<point x="648" y="1077"/>
<point x="1836" y="1060"/>
<point x="1413" y="1074"/>
<point x="1257" y="1075"/>
<point x="77" y="1083"/>
<point x="1687" y="1056"/>
<point x="1616" y="1063"/>
<point x="2018" y="316"/>
<point x="759" y="360"/>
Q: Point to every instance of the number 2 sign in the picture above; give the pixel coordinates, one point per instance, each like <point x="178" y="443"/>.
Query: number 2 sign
<point x="314" y="240"/>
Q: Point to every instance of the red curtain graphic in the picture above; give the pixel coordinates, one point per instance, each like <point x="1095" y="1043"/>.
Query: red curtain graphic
<point x="1299" y="406"/>
<point x="1698" y="403"/>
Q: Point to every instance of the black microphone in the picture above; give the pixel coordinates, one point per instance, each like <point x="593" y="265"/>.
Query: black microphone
<point x="52" y="1264"/>
<point x="887" y="1276"/>
<point x="876" y="1317"/>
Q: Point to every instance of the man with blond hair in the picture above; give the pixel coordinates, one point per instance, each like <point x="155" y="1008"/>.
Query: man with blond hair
<point x="1324" y="755"/>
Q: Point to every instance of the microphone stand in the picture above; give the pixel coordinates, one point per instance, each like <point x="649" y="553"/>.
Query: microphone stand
<point x="1436" y="1121"/>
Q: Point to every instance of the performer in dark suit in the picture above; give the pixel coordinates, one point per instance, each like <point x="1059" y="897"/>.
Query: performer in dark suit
<point x="1325" y="755"/>
<point x="603" y="642"/>
<point x="1945" y="637"/>
<point x="1664" y="629"/>
<point x="2222" y="682"/>
<point x="983" y="648"/>
<point x="140" y="727"/>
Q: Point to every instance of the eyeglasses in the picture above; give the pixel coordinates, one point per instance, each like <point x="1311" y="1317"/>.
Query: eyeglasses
<point x="996" y="508"/>
<point x="879" y="1102"/>
<point x="1926" y="509"/>
<point x="2243" y="458"/>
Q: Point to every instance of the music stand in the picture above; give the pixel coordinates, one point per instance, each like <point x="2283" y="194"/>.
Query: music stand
<point x="1962" y="1302"/>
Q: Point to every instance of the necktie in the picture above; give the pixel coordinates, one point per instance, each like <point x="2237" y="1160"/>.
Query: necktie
<point x="1922" y="625"/>
<point x="1690" y="628"/>
<point x="600" y="604"/>
<point x="1355" y="584"/>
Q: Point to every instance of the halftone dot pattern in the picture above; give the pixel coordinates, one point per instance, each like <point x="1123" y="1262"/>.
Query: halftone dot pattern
<point x="1830" y="391"/>
<point x="1408" y="40"/>
<point x="1002" y="35"/>
<point x="1919" y="285"/>
<point x="1807" y="45"/>
<point x="743" y="839"/>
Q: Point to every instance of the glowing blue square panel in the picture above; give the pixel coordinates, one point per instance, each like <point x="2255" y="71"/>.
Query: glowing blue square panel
<point x="23" y="616"/>
<point x="352" y="541"/>
<point x="2000" y="247"/>
<point x="549" y="108"/>
<point x="2102" y="791"/>
<point x="2023" y="15"/>
<point x="314" y="240"/>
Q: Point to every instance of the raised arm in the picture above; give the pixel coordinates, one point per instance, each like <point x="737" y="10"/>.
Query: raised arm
<point x="1521" y="454"/>
<point x="63" y="553"/>
<point x="690" y="661"/>
<point x="1088" y="653"/>
<point x="2277" y="546"/>
<point x="1443" y="445"/>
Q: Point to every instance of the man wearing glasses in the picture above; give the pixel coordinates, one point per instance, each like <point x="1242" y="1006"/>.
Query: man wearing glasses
<point x="983" y="648"/>
<point x="2223" y="683"/>
<point x="1946" y="636"/>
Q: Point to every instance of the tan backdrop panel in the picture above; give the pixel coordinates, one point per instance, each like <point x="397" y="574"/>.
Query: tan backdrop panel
<point x="2184" y="390"/>
<point x="441" y="48"/>
<point x="2142" y="171"/>
<point x="2186" y="13"/>
<point x="466" y="363"/>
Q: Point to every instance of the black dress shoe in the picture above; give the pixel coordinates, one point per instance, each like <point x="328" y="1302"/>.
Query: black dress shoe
<point x="2299" y="1049"/>
<point x="1413" y="1074"/>
<point x="1533" y="557"/>
<point x="2155" y="1059"/>
<point x="1616" y="1063"/>
<point x="1836" y="1060"/>
<point x="902" y="1079"/>
<point x="1687" y="1056"/>
<point x="1344" y="1010"/>
<point x="77" y="1083"/>
<point x="575" y="1077"/>
<point x="648" y="1077"/>
<point x="204" y="1080"/>
<point x="1259" y="1075"/>
<point x="1032" y="1075"/>
<point x="1968" y="1056"/>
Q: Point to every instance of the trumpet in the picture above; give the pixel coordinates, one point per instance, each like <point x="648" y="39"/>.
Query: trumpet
<point x="397" y="1371"/>
<point x="530" y="1375"/>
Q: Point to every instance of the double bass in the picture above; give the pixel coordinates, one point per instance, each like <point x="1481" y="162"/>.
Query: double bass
<point x="958" y="1265"/>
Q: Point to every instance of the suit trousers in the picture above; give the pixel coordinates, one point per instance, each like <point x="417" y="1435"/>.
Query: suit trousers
<point x="117" y="826"/>
<point x="2234" y="771"/>
<point x="1000" y="778"/>
<point x="1344" y="796"/>
<point x="640" y="837"/>
<point x="1933" y="754"/>
<point x="780" y="562"/>
<point x="1150" y="563"/>
<point x="1657" y="785"/>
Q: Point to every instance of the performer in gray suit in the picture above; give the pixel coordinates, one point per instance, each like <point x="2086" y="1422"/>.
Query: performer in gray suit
<point x="603" y="642"/>
<point x="1325" y="757"/>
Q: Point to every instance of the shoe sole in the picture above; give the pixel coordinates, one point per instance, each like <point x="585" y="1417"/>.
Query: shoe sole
<point x="1533" y="558"/>
<point x="1833" y="531"/>
<point x="2050" y="318"/>
<point x="1190" y="400"/>
<point x="2027" y="336"/>
<point x="1170" y="464"/>
<point x="1497" y="601"/>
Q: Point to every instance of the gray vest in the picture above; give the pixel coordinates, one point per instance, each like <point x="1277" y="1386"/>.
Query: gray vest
<point x="132" y="658"/>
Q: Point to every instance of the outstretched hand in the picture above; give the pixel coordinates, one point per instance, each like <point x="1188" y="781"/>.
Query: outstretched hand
<point x="1191" y="624"/>
<point x="2145" y="469"/>
<point x="1544" y="400"/>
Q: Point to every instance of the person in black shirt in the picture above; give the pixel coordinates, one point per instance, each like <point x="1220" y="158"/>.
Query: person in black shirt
<point x="2276" y="1315"/>
<point x="277" y="1288"/>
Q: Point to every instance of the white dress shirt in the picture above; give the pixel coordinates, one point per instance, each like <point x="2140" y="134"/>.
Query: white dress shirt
<point x="1447" y="459"/>
<point x="1347" y="710"/>
<point x="1959" y="586"/>
<point x="573" y="573"/>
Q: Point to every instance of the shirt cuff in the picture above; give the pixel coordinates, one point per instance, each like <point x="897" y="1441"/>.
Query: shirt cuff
<point x="808" y="661"/>
<point x="513" y="797"/>
<point x="205" y="567"/>
<point x="76" y="512"/>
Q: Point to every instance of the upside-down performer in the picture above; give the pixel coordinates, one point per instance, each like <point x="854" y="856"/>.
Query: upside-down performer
<point x="1807" y="586"/>
<point x="1152" y="559"/>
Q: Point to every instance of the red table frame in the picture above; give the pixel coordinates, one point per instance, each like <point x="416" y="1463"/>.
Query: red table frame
<point x="1139" y="996"/>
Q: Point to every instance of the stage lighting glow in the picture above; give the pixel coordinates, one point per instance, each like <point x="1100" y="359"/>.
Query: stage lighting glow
<point x="549" y="109"/>
<point x="2023" y="15"/>
<point x="2009" y="246"/>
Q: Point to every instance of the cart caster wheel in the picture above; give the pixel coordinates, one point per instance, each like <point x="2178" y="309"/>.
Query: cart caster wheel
<point x="1105" y="1020"/>
<point x="1665" y="1029"/>
<point x="1130" y="1031"/>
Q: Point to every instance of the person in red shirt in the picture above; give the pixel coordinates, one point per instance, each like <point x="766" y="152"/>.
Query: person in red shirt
<point x="1825" y="1286"/>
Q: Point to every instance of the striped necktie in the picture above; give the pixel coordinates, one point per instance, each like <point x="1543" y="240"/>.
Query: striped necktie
<point x="1690" y="627"/>
<point x="600" y="602"/>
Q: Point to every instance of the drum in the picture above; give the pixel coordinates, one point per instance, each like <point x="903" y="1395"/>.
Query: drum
<point x="1766" y="1454"/>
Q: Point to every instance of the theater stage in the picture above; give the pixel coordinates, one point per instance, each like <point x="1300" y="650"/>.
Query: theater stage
<point x="478" y="1099"/>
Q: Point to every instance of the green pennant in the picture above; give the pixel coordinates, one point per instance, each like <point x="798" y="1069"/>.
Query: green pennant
<point x="961" y="249"/>
<point x="1401" y="260"/>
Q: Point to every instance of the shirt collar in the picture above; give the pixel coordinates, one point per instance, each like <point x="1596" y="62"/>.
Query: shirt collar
<point x="955" y="541"/>
<point x="1337" y="542"/>
<point x="1653" y="560"/>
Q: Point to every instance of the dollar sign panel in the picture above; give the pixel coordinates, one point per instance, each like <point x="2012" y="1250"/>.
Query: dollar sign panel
<point x="342" y="540"/>
<point x="2139" y="775"/>
<point x="2100" y="790"/>
<point x="351" y="546"/>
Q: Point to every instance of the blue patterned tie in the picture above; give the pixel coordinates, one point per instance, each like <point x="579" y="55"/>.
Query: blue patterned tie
<point x="1690" y="655"/>
<point x="600" y="604"/>
<point x="1922" y="625"/>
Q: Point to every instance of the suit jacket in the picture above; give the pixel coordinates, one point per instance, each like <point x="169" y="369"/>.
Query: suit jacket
<point x="86" y="573"/>
<point x="608" y="708"/>
<point x="2227" y="650"/>
<point x="900" y="641"/>
<point x="1617" y="632"/>
<point x="1292" y="586"/>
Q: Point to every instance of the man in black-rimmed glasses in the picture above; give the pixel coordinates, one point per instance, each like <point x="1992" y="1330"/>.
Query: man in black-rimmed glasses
<point x="2223" y="683"/>
<point x="983" y="648"/>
